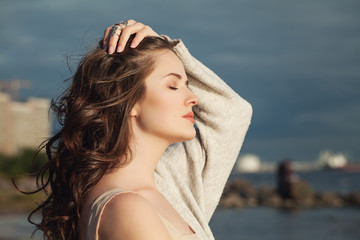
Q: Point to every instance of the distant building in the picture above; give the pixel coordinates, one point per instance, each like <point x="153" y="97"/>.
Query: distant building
<point x="248" y="163"/>
<point x="330" y="159"/>
<point x="23" y="124"/>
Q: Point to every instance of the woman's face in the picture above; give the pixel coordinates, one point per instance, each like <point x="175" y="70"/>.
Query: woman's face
<point x="162" y="111"/>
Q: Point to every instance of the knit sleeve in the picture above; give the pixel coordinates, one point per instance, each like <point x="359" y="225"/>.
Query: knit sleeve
<point x="201" y="167"/>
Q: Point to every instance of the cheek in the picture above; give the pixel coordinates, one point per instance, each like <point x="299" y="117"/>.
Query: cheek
<point x="158" y="109"/>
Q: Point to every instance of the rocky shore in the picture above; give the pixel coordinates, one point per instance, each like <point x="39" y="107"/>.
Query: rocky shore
<point x="240" y="193"/>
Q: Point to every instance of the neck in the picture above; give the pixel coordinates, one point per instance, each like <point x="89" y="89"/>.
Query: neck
<point x="147" y="150"/>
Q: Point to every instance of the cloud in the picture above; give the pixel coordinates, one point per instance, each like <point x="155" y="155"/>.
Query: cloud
<point x="344" y="118"/>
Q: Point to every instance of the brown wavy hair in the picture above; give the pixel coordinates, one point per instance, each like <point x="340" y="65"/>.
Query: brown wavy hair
<point x="94" y="114"/>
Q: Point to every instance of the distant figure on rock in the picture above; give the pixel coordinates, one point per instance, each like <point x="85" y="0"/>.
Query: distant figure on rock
<point x="285" y="176"/>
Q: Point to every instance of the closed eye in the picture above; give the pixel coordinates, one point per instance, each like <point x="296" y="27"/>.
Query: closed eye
<point x="173" y="88"/>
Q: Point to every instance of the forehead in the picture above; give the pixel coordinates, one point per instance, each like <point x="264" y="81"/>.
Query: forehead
<point x="167" y="62"/>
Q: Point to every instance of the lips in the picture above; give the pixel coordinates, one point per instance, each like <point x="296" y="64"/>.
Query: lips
<point x="190" y="117"/>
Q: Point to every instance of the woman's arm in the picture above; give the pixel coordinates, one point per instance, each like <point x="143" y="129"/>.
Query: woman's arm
<point x="222" y="118"/>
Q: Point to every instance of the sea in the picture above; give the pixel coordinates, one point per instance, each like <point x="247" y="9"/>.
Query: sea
<point x="259" y="223"/>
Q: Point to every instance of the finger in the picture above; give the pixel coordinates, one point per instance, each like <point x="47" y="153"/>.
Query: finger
<point x="106" y="37"/>
<point x="131" y="22"/>
<point x="113" y="40"/>
<point x="126" y="32"/>
<point x="144" y="32"/>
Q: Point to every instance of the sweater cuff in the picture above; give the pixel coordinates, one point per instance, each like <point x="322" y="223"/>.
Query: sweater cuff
<point x="180" y="48"/>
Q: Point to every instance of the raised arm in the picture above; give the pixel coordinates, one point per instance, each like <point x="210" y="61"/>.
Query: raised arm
<point x="223" y="120"/>
<point x="203" y="165"/>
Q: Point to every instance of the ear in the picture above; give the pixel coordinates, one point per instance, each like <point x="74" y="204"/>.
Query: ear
<point x="135" y="110"/>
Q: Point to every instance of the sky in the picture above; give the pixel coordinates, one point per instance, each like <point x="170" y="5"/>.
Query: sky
<point x="296" y="62"/>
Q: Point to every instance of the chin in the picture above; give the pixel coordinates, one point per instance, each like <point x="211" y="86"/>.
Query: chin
<point x="185" y="136"/>
<point x="190" y="135"/>
<point x="188" y="138"/>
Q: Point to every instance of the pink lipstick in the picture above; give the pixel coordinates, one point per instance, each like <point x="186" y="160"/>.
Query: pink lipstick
<point x="190" y="117"/>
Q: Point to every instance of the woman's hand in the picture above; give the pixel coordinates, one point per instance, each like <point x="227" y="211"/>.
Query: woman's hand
<point x="117" y="39"/>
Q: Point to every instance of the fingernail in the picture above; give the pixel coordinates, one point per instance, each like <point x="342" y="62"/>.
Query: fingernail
<point x="111" y="49"/>
<point x="133" y="45"/>
<point x="119" y="49"/>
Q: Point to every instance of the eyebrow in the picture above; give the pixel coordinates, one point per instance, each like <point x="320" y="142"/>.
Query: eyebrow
<point x="178" y="76"/>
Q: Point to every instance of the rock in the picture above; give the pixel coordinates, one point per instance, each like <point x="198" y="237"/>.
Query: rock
<point x="251" y="202"/>
<point x="289" y="203"/>
<point x="307" y="203"/>
<point x="268" y="197"/>
<point x="328" y="199"/>
<point x="302" y="191"/>
<point x="353" y="199"/>
<point x="240" y="193"/>
<point x="242" y="187"/>
<point x="232" y="200"/>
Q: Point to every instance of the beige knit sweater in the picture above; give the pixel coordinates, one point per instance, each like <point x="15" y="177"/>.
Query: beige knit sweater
<point x="192" y="174"/>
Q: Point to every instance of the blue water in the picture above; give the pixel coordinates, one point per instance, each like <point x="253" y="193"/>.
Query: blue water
<point x="248" y="224"/>
<point x="275" y="224"/>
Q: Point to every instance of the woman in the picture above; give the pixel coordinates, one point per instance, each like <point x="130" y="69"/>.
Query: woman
<point x="128" y="162"/>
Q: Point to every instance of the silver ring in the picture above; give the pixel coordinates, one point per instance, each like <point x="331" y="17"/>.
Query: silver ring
<point x="116" y="27"/>
<point x="114" y="30"/>
<point x="122" y="24"/>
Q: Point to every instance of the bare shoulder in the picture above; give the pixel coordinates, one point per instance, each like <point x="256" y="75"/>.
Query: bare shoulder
<point x="130" y="216"/>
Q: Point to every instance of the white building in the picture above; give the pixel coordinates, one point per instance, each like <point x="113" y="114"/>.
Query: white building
<point x="330" y="159"/>
<point x="23" y="124"/>
<point x="248" y="163"/>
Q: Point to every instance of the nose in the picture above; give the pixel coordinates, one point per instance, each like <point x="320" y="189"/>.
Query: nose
<point x="191" y="99"/>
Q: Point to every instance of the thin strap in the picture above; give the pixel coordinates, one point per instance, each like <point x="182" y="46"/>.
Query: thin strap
<point x="99" y="205"/>
<point x="96" y="211"/>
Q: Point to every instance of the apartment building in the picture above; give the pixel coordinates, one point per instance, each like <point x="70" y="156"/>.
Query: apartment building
<point x="23" y="124"/>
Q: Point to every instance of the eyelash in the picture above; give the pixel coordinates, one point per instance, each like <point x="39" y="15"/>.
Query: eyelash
<point x="175" y="88"/>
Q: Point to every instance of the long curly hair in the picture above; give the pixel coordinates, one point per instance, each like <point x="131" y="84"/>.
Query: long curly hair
<point x="94" y="114"/>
